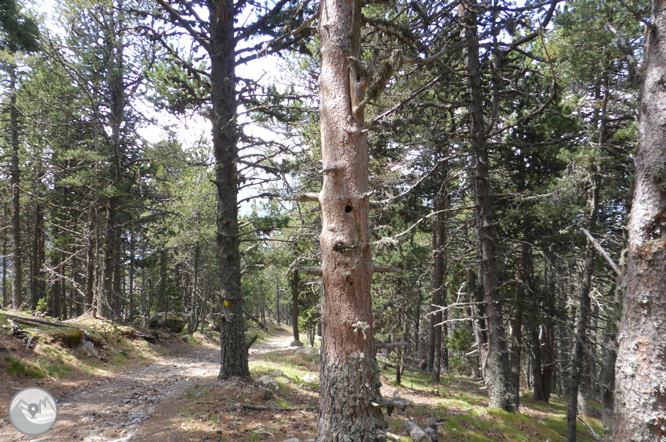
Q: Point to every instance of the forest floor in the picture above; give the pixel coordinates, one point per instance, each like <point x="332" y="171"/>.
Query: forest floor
<point x="169" y="391"/>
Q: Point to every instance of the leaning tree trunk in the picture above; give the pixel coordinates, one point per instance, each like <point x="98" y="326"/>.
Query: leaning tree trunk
<point x="225" y="137"/>
<point x="498" y="373"/>
<point x="349" y="389"/>
<point x="17" y="276"/>
<point x="640" y="393"/>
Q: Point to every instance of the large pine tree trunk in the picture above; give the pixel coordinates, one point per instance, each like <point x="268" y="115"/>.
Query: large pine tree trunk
<point x="348" y="371"/>
<point x="498" y="373"/>
<point x="223" y="96"/>
<point x="640" y="393"/>
<point x="15" y="179"/>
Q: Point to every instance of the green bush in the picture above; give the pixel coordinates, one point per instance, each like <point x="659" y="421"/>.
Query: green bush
<point x="42" y="305"/>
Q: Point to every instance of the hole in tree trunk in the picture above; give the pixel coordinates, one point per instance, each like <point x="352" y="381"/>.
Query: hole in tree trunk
<point x="348" y="209"/>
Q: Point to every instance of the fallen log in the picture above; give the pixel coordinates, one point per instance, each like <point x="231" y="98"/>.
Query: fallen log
<point x="36" y="322"/>
<point x="415" y="432"/>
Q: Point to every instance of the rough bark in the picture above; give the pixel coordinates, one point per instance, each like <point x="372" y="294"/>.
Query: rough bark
<point x="225" y="149"/>
<point x="498" y="373"/>
<point x="15" y="179"/>
<point x="349" y="373"/>
<point x="640" y="393"/>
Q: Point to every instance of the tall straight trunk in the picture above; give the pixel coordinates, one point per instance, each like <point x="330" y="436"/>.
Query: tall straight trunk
<point x="164" y="296"/>
<point x="348" y="371"/>
<point x="118" y="280"/>
<point x="498" y="372"/>
<point x="580" y="369"/>
<point x="277" y="295"/>
<point x="533" y="323"/>
<point x="5" y="298"/>
<point x="63" y="287"/>
<point x="640" y="384"/>
<point x="417" y="324"/>
<point x="38" y="253"/>
<point x="439" y="255"/>
<point x="437" y="304"/>
<point x="516" y="333"/>
<point x="107" y="299"/>
<point x="549" y="355"/>
<point x="225" y="149"/>
<point x="578" y="363"/>
<point x="130" y="294"/>
<point x="15" y="180"/>
<point x="145" y="290"/>
<point x="194" y="317"/>
<point x="294" y="307"/>
<point x="90" y="264"/>
<point x="537" y="362"/>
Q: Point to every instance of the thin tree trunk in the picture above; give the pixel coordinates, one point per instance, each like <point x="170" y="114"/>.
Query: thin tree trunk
<point x="294" y="307"/>
<point x="277" y="295"/>
<point x="39" y="285"/>
<point x="516" y="322"/>
<point x="437" y="301"/>
<point x="478" y="311"/>
<point x="582" y="319"/>
<point x="130" y="295"/>
<point x="107" y="298"/>
<point x="549" y="355"/>
<point x="223" y="95"/>
<point x="498" y="372"/>
<point x="417" y="323"/>
<point x="15" y="180"/>
<point x="348" y="371"/>
<point x="580" y="379"/>
<point x="640" y="393"/>
<point x="194" y="317"/>
<point x="5" y="298"/>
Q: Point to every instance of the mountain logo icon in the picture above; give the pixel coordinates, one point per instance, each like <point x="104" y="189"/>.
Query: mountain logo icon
<point x="33" y="411"/>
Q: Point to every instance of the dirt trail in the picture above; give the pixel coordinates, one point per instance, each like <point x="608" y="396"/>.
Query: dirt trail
<point x="117" y="408"/>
